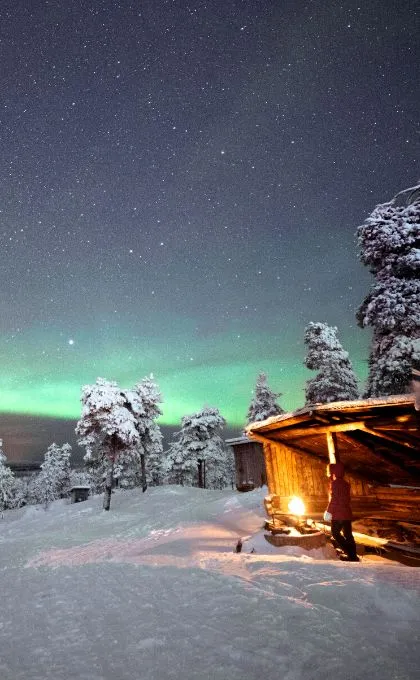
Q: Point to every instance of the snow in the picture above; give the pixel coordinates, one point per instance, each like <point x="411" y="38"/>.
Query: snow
<point x="154" y="589"/>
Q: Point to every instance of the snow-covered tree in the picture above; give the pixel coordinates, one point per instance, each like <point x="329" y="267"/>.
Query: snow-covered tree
<point x="54" y="479"/>
<point x="144" y="400"/>
<point x="44" y="487"/>
<point x="107" y="429"/>
<point x="33" y="494"/>
<point x="20" y="496"/>
<point x="198" y="454"/>
<point x="6" y="481"/>
<point x="96" y="465"/>
<point x="80" y="478"/>
<point x="389" y="242"/>
<point x="264" y="403"/>
<point x="335" y="380"/>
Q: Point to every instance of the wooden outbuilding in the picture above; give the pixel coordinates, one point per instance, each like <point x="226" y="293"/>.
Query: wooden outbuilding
<point x="79" y="494"/>
<point x="377" y="440"/>
<point x="249" y="463"/>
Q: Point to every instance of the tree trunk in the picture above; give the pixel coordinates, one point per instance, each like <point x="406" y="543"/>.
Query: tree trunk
<point x="143" y="472"/>
<point x="200" y="473"/>
<point x="108" y="485"/>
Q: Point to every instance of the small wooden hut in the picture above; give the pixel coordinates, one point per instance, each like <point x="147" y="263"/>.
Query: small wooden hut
<point x="377" y="440"/>
<point x="249" y="463"/>
<point x="79" y="493"/>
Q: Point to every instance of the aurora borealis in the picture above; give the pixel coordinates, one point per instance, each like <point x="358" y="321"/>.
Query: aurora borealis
<point x="180" y="187"/>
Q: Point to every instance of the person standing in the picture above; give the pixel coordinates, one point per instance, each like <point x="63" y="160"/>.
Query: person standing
<point x="339" y="512"/>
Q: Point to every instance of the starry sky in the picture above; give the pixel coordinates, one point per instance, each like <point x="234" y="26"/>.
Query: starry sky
<point x="181" y="182"/>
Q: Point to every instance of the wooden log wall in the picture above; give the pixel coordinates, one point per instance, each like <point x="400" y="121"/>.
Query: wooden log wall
<point x="399" y="503"/>
<point x="290" y="473"/>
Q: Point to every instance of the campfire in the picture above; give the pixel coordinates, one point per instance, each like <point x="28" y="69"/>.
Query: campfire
<point x="297" y="508"/>
<point x="295" y="529"/>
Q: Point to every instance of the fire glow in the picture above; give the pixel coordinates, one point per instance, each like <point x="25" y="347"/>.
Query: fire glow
<point x="296" y="506"/>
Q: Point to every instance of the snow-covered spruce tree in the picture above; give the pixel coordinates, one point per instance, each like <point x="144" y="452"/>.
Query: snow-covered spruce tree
<point x="80" y="478"/>
<point x="20" y="496"/>
<point x="33" y="494"/>
<point x="389" y="242"/>
<point x="6" y="481"/>
<point x="144" y="400"/>
<point x="336" y="380"/>
<point x="54" y="479"/>
<point x="107" y="429"/>
<point x="219" y="466"/>
<point x="264" y="403"/>
<point x="198" y="455"/>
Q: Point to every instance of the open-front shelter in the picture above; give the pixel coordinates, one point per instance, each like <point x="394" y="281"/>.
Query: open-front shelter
<point x="377" y="440"/>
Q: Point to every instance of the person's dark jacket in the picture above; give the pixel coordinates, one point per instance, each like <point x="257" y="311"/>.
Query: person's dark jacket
<point x="339" y="499"/>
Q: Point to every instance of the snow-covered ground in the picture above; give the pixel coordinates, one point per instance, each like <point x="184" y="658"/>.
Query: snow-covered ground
<point x="153" y="590"/>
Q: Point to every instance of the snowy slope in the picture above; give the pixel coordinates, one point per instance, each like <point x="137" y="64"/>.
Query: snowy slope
<point x="153" y="589"/>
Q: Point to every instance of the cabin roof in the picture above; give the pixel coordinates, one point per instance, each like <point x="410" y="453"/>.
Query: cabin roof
<point x="379" y="439"/>
<point x="239" y="440"/>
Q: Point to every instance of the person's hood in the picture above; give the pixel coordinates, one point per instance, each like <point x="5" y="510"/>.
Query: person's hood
<point x="337" y="470"/>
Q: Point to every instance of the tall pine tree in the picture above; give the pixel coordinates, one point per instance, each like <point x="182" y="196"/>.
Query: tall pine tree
<point x="336" y="380"/>
<point x="198" y="455"/>
<point x="144" y="400"/>
<point x="264" y="403"/>
<point x="107" y="430"/>
<point x="390" y="246"/>
<point x="53" y="482"/>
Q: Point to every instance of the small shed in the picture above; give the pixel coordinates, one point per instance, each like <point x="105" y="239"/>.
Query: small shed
<point x="79" y="493"/>
<point x="249" y="463"/>
<point x="377" y="440"/>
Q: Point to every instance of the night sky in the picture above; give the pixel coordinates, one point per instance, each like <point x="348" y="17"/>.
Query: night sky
<point x="180" y="187"/>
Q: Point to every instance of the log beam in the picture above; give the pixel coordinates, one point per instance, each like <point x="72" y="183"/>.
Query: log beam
<point x="317" y="430"/>
<point x="382" y="435"/>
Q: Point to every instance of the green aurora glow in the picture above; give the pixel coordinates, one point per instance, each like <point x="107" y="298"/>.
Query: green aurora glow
<point x="48" y="372"/>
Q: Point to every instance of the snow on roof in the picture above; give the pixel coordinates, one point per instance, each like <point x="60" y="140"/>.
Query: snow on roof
<point x="335" y="406"/>
<point x="238" y="440"/>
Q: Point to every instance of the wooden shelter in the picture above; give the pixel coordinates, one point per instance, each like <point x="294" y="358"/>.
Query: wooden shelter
<point x="79" y="493"/>
<point x="377" y="440"/>
<point x="249" y="463"/>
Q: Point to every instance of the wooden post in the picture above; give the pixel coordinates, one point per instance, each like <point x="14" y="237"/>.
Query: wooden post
<point x="333" y="453"/>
